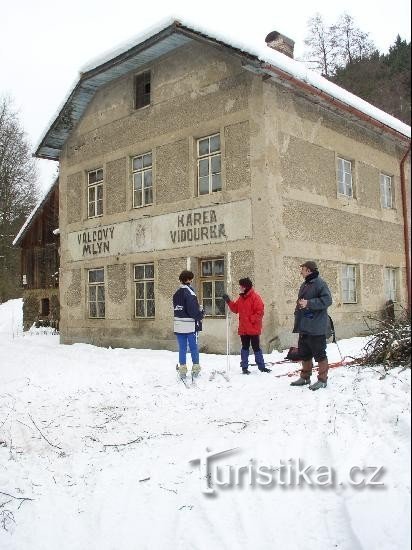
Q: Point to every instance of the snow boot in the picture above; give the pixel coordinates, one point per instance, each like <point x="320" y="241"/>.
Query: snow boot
<point x="318" y="385"/>
<point x="245" y="370"/>
<point x="301" y="382"/>
<point x="264" y="369"/>
<point x="195" y="370"/>
<point x="182" y="371"/>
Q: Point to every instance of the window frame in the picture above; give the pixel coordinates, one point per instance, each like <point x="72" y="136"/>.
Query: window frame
<point x="95" y="186"/>
<point x="384" y="191"/>
<point x="212" y="278"/>
<point x="343" y="182"/>
<point x="145" y="282"/>
<point x="96" y="301"/>
<point x="344" y="277"/>
<point x="209" y="156"/>
<point x="143" y="171"/>
<point x="387" y="282"/>
<point x="140" y="81"/>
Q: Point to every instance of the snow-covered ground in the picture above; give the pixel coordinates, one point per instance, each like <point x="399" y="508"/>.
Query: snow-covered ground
<point x="101" y="440"/>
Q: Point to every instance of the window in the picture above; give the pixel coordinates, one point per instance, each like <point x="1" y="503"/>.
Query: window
<point x="209" y="165"/>
<point x="144" y="290"/>
<point x="142" y="90"/>
<point x="345" y="186"/>
<point x="212" y="283"/>
<point x="96" y="293"/>
<point x="386" y="191"/>
<point x="142" y="180"/>
<point x="44" y="306"/>
<point x="95" y="193"/>
<point x="349" y="284"/>
<point x="390" y="283"/>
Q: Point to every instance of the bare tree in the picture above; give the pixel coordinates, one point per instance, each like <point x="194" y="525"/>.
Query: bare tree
<point x="323" y="45"/>
<point x="353" y="43"/>
<point x="18" y="193"/>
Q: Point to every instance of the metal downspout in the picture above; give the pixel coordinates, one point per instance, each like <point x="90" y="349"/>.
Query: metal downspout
<point x="405" y="226"/>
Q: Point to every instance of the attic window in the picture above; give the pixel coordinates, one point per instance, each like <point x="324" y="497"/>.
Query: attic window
<point x="142" y="90"/>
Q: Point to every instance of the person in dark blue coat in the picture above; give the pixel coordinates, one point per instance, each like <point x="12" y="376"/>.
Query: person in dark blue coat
<point x="188" y="317"/>
<point x="311" y="322"/>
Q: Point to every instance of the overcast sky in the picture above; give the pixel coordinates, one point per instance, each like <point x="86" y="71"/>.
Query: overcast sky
<point x="43" y="44"/>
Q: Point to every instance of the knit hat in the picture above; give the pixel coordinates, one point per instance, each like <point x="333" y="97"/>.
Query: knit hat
<point x="246" y="283"/>
<point x="310" y="265"/>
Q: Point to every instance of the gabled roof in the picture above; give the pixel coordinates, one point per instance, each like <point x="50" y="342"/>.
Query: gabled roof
<point x="171" y="34"/>
<point x="33" y="214"/>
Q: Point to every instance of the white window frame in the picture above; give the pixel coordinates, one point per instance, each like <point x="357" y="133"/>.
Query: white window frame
<point x="390" y="279"/>
<point x="349" y="279"/>
<point x="386" y="187"/>
<point x="93" y="289"/>
<point x="208" y="159"/>
<point x="344" y="169"/>
<point x="145" y="173"/>
<point x="95" y="187"/>
<point x="212" y="279"/>
<point x="144" y="282"/>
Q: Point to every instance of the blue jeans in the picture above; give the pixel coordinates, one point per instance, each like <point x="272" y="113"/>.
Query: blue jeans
<point x="184" y="340"/>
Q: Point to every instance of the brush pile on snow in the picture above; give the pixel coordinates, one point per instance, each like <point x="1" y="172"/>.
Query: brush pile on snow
<point x="390" y="345"/>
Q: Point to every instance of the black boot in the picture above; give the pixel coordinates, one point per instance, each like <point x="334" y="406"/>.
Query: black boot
<point x="301" y="382"/>
<point x="264" y="369"/>
<point x="245" y="370"/>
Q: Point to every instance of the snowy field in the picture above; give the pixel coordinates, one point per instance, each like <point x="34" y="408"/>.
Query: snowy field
<point x="96" y="444"/>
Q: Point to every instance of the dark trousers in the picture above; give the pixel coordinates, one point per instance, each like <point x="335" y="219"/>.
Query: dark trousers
<point x="248" y="340"/>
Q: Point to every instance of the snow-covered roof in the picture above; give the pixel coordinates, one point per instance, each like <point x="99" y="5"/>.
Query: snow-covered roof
<point x="31" y="217"/>
<point x="170" y="34"/>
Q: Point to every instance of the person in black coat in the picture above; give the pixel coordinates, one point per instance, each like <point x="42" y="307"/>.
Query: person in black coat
<point x="188" y="317"/>
<point x="311" y="322"/>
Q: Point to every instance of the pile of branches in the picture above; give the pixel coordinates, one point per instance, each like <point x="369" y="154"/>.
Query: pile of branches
<point x="390" y="345"/>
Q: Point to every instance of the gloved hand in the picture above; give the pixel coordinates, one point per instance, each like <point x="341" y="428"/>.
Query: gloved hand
<point x="226" y="298"/>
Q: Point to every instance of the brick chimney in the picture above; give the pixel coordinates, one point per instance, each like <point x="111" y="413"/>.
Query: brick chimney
<point x="280" y="43"/>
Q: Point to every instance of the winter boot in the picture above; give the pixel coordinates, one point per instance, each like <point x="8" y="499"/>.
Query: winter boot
<point x="182" y="371"/>
<point x="260" y="362"/>
<point x="318" y="385"/>
<point x="301" y="382"/>
<point x="195" y="370"/>
<point x="245" y="370"/>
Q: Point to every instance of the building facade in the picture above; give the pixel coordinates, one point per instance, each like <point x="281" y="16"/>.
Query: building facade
<point x="188" y="153"/>
<point x="39" y="244"/>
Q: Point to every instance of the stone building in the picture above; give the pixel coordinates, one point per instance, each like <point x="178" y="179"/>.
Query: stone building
<point x="38" y="240"/>
<point x="186" y="150"/>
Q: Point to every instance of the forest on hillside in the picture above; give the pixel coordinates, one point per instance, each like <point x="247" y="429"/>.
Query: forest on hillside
<point x="346" y="55"/>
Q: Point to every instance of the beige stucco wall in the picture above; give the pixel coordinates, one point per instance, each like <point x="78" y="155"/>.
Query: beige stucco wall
<point x="278" y="154"/>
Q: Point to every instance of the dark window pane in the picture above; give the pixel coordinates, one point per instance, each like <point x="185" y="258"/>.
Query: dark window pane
<point x="99" y="175"/>
<point x="150" y="291"/>
<point x="92" y="177"/>
<point x="215" y="143"/>
<point x="140" y="308"/>
<point x="99" y="274"/>
<point x="149" y="271"/>
<point x="207" y="305"/>
<point x="207" y="289"/>
<point x="137" y="163"/>
<point x="92" y="309"/>
<point x="148" y="178"/>
<point x="215" y="161"/>
<point x="218" y="267"/>
<point x="203" y="147"/>
<point x="92" y="194"/>
<point x="99" y="208"/>
<point x="204" y="185"/>
<point x="219" y="288"/>
<point x="100" y="309"/>
<point x="216" y="182"/>
<point x="220" y="307"/>
<point x="150" y="308"/>
<point x="99" y="192"/>
<point x="100" y="293"/>
<point x="147" y="160"/>
<point x="137" y="180"/>
<point x="206" y="268"/>
<point x="139" y="271"/>
<point x="140" y="291"/>
<point x="92" y="293"/>
<point x="148" y="196"/>
<point x="203" y="167"/>
<point x="91" y="210"/>
<point x="142" y="87"/>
